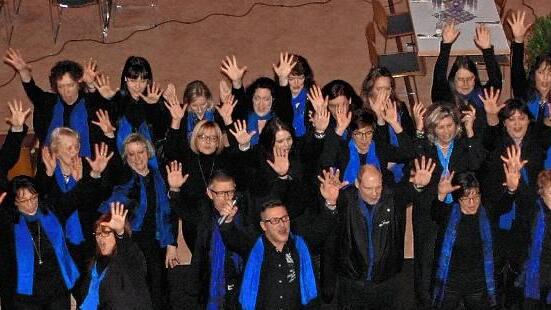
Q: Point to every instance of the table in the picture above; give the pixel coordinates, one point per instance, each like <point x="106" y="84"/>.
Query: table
<point x="424" y="25"/>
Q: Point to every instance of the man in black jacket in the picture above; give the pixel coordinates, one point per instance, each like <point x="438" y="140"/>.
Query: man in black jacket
<point x="370" y="238"/>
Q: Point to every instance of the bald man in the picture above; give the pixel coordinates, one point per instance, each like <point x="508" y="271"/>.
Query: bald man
<point x="370" y="238"/>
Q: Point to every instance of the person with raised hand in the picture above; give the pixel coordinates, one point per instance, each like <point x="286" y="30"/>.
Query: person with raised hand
<point x="369" y="238"/>
<point x="116" y="276"/>
<point x="11" y="149"/>
<point x="468" y="250"/>
<point x="462" y="85"/>
<point x="73" y="103"/>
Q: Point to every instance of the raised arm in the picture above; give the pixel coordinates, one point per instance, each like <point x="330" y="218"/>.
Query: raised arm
<point x="9" y="154"/>
<point x="484" y="42"/>
<point x="440" y="89"/>
<point x="519" y="27"/>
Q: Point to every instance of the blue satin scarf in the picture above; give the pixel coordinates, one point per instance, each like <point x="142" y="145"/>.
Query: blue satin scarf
<point x="217" y="253"/>
<point x="73" y="228"/>
<point x="91" y="302"/>
<point x="397" y="169"/>
<point x="445" y="163"/>
<point x="473" y="98"/>
<point x="24" y="252"/>
<point x="368" y="217"/>
<point x="534" y="107"/>
<point x="162" y="209"/>
<point x="353" y="166"/>
<point x="78" y="121"/>
<point x="192" y="119"/>
<point x="299" y="109"/>
<point x="251" y="277"/>
<point x="506" y="219"/>
<point x="252" y="125"/>
<point x="447" y="249"/>
<point x="532" y="265"/>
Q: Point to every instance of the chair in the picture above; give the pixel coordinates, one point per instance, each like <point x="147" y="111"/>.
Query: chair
<point x="60" y="5"/>
<point x="134" y="8"/>
<point x="391" y="26"/>
<point x="403" y="64"/>
<point x="6" y="20"/>
<point x="500" y="4"/>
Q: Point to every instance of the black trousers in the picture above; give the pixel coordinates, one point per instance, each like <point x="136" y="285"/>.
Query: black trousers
<point x="156" y="272"/>
<point x="62" y="302"/>
<point x="472" y="298"/>
<point x="530" y="304"/>
<point x="361" y="295"/>
<point x="184" y="287"/>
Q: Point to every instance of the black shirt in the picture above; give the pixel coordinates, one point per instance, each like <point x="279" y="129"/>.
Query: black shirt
<point x="467" y="261"/>
<point x="279" y="286"/>
<point x="149" y="224"/>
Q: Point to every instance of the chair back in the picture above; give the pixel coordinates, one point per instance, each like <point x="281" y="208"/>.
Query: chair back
<point x="380" y="17"/>
<point x="370" y="38"/>
<point x="500" y="7"/>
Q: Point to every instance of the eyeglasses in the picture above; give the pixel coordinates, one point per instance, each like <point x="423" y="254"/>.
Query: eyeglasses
<point x="276" y="220"/>
<point x="465" y="80"/>
<point x="470" y="199"/>
<point x="103" y="233"/>
<point x="208" y="139"/>
<point x="22" y="201"/>
<point x="363" y="135"/>
<point x="228" y="194"/>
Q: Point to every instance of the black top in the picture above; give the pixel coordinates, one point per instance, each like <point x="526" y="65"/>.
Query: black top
<point x="9" y="154"/>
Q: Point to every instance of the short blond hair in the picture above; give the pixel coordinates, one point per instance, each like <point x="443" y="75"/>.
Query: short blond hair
<point x="200" y="129"/>
<point x="59" y="133"/>
<point x="138" y="138"/>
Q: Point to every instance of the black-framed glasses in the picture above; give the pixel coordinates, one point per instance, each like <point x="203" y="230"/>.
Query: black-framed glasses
<point x="363" y="135"/>
<point x="276" y="220"/>
<point x="471" y="198"/>
<point x="208" y="139"/>
<point x="228" y="194"/>
<point x="103" y="233"/>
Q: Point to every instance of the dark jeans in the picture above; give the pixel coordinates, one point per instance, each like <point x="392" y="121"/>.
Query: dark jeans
<point x="63" y="302"/>
<point x="359" y="295"/>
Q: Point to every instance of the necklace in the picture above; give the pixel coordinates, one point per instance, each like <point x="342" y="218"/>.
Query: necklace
<point x="38" y="249"/>
<point x="202" y="173"/>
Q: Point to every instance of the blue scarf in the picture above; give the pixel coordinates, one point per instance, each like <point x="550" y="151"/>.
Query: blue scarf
<point x="217" y="253"/>
<point x="24" y="252"/>
<point x="192" y="119"/>
<point x="397" y="169"/>
<point x="368" y="217"/>
<point x="91" y="302"/>
<point x="73" y="228"/>
<point x="299" y="109"/>
<point x="252" y="125"/>
<point x="353" y="166"/>
<point x="445" y="162"/>
<point x="506" y="219"/>
<point x="534" y="107"/>
<point x="251" y="277"/>
<point x="125" y="129"/>
<point x="162" y="209"/>
<point x="447" y="248"/>
<point x="473" y="98"/>
<point x="532" y="265"/>
<point x="78" y="121"/>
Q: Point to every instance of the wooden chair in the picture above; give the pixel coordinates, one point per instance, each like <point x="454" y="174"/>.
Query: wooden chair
<point x="391" y="26"/>
<point x="404" y="64"/>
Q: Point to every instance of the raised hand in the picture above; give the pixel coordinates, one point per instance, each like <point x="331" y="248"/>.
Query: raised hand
<point x="225" y="109"/>
<point x="514" y="158"/>
<point x="15" y="59"/>
<point x="170" y="91"/>
<point x="445" y="186"/>
<point x="343" y="117"/>
<point x="18" y="115"/>
<point x="118" y="218"/>
<point x="174" y="176"/>
<point x="89" y="72"/>
<point x="99" y="164"/>
<point x="320" y="120"/>
<point x="49" y="161"/>
<point x="316" y="98"/>
<point x="103" y="85"/>
<point x="483" y="39"/>
<point x="240" y="133"/>
<point x="468" y="119"/>
<point x="154" y="93"/>
<point x="490" y="100"/>
<point x="280" y="164"/>
<point x="76" y="168"/>
<point x="177" y="111"/>
<point x="421" y="175"/>
<point x="390" y="113"/>
<point x="419" y="115"/>
<point x="449" y="33"/>
<point x="233" y="72"/>
<point x="104" y="122"/>
<point x="286" y="64"/>
<point x="330" y="185"/>
<point x="518" y="26"/>
<point x="229" y="210"/>
<point x="224" y="90"/>
<point x="377" y="104"/>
